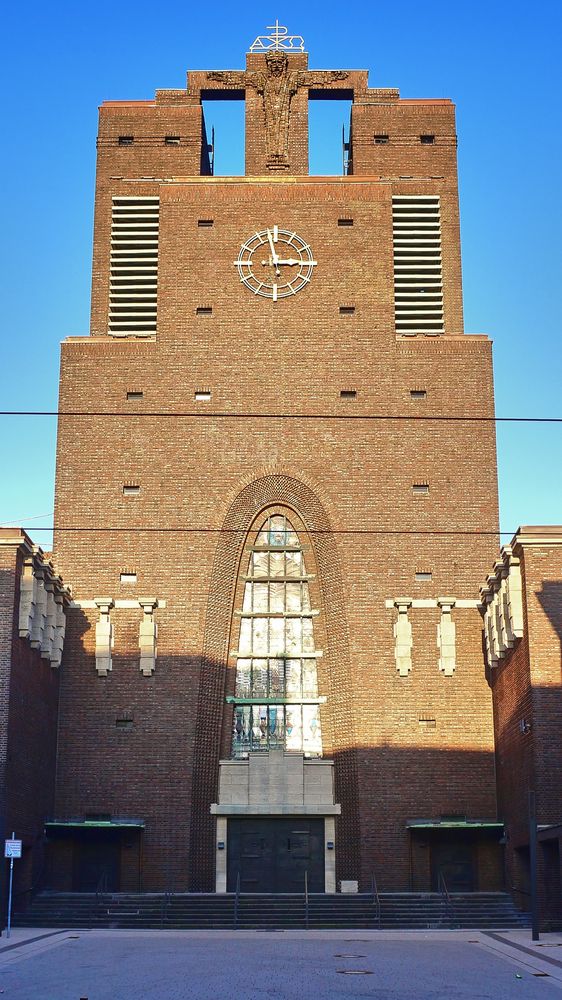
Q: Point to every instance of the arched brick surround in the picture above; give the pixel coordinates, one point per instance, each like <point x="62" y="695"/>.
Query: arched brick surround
<point x="256" y="497"/>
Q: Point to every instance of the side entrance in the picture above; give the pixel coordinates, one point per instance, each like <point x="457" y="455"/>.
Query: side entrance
<point x="273" y="855"/>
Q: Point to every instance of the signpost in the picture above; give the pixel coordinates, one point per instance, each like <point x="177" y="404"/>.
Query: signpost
<point x="535" y="917"/>
<point x="12" y="849"/>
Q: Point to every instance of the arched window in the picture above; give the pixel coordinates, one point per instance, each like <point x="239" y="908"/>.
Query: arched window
<point x="276" y="701"/>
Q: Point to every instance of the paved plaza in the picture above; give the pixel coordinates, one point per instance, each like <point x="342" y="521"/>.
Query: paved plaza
<point x="254" y="965"/>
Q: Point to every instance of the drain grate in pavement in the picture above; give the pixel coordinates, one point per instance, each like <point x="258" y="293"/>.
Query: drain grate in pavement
<point x="354" y="972"/>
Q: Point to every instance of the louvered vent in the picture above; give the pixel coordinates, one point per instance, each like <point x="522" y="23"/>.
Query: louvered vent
<point x="134" y="266"/>
<point x="418" y="289"/>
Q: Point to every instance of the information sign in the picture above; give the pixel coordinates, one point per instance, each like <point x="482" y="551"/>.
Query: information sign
<point x="12" y="849"/>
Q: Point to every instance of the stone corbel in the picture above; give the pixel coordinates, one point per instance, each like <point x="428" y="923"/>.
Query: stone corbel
<point x="60" y="628"/>
<point x="40" y="609"/>
<point x="507" y="636"/>
<point x="403" y="637"/>
<point x="502" y="600"/>
<point x="104" y="636"/>
<point x="493" y="619"/>
<point x="487" y="596"/>
<point x="28" y="596"/>
<point x="148" y="635"/>
<point x="515" y="598"/>
<point x="50" y="620"/>
<point x="499" y="607"/>
<point x="446" y="636"/>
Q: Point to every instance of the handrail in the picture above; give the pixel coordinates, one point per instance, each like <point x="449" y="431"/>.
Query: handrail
<point x="236" y="901"/>
<point x="376" y="900"/>
<point x="523" y="903"/>
<point x="35" y="887"/>
<point x="101" y="887"/>
<point x="446" y="896"/>
<point x="306" y="899"/>
<point x="524" y="892"/>
<point x="101" y="890"/>
<point x="164" y="907"/>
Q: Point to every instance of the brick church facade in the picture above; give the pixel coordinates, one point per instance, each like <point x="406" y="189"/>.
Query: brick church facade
<point x="271" y="444"/>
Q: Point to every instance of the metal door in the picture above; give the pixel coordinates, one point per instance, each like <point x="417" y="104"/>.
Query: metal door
<point x="273" y="855"/>
<point x="94" y="861"/>
<point x="456" y="864"/>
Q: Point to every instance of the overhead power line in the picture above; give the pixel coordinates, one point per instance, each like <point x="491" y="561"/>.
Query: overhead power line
<point x="311" y="531"/>
<point x="280" y="416"/>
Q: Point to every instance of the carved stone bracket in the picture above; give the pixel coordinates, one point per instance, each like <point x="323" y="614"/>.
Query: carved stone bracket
<point x="105" y="632"/>
<point x="57" y="645"/>
<point x="42" y="607"/>
<point x="50" y="622"/>
<point x="446" y="636"/>
<point x="28" y="598"/>
<point x="148" y="635"/>
<point x="403" y="637"/>
<point x="104" y="636"/>
<point x="446" y="629"/>
<point x="40" y="610"/>
<point x="502" y="606"/>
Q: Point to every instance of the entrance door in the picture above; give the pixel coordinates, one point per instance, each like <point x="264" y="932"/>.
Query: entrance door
<point x="273" y="855"/>
<point x="455" y="862"/>
<point x="94" y="859"/>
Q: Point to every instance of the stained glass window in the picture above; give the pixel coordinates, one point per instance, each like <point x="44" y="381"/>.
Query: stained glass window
<point x="276" y="700"/>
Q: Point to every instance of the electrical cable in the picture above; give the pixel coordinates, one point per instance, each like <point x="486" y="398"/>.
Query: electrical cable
<point x="311" y="531"/>
<point x="279" y="416"/>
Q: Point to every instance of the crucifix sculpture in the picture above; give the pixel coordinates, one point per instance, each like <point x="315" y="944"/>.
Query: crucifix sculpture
<point x="276" y="84"/>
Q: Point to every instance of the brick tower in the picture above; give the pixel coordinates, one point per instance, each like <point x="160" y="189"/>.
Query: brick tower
<point x="273" y="660"/>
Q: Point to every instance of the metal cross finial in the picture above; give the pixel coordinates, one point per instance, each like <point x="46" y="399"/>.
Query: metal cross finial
<point x="278" y="41"/>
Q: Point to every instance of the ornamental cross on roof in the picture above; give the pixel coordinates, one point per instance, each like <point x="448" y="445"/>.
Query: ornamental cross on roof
<point x="278" y="40"/>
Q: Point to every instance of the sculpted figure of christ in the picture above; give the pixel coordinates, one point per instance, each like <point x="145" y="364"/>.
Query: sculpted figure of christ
<point x="277" y="86"/>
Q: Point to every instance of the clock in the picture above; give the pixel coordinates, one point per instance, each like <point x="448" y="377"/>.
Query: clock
<point x="275" y="263"/>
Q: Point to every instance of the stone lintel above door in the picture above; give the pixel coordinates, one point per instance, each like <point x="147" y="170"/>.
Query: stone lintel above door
<point x="276" y="783"/>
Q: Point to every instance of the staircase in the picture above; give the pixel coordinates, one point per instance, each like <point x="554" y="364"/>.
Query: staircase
<point x="192" y="911"/>
<point x="426" y="910"/>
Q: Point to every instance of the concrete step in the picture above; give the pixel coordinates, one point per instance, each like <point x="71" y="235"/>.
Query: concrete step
<point x="190" y="910"/>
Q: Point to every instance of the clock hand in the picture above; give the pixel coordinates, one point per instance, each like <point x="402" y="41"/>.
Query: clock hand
<point x="292" y="260"/>
<point x="274" y="257"/>
<point x="270" y="262"/>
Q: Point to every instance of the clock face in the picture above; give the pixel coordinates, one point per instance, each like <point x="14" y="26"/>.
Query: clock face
<point x="275" y="263"/>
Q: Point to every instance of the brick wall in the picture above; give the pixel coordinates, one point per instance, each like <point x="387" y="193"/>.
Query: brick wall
<point x="348" y="478"/>
<point x="7" y="591"/>
<point x="30" y="689"/>
<point x="527" y="696"/>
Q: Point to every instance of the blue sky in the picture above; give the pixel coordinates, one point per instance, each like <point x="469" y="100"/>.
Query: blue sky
<point x="498" y="62"/>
